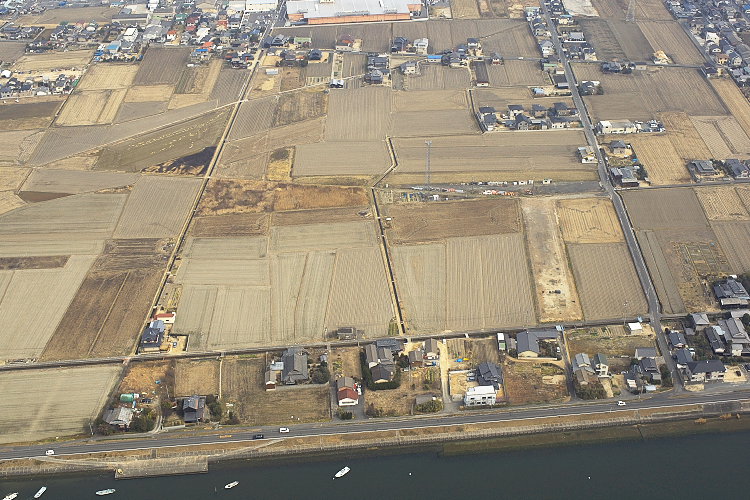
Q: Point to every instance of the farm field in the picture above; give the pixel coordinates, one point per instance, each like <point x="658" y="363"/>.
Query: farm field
<point x="646" y="9"/>
<point x="402" y="400"/>
<point x="107" y="312"/>
<point x="196" y="376"/>
<point x="242" y="385"/>
<point x="162" y="66"/>
<point x="10" y="51"/>
<point x="452" y="285"/>
<point x="612" y="341"/>
<point x="341" y="159"/>
<point x="722" y="203"/>
<point x="437" y="122"/>
<point x="243" y="224"/>
<point x="244" y="291"/>
<point x="53" y="17"/>
<point x="664" y="281"/>
<point x="75" y="181"/>
<point x="358" y="115"/>
<point x="607" y="281"/>
<point x="671" y="208"/>
<point x="723" y="136"/>
<point x="733" y="237"/>
<point x="663" y="160"/>
<point x="91" y="108"/>
<point x="556" y="295"/>
<point x="149" y="93"/>
<point x="52" y="62"/>
<point x="157" y="207"/>
<point x="588" y="220"/>
<point x="254" y="117"/>
<point x="733" y="100"/>
<point x="25" y="116"/>
<point x="464" y="9"/>
<point x="614" y="39"/>
<point x="108" y="76"/>
<point x="434" y="77"/>
<point x="11" y="178"/>
<point x="423" y="222"/>
<point x="670" y="38"/>
<point x="666" y="89"/>
<point x="517" y="73"/>
<point x="44" y="412"/>
<point x="527" y="383"/>
<point x="17" y="145"/>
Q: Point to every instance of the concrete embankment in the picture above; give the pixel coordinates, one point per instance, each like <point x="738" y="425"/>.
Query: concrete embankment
<point x="622" y="424"/>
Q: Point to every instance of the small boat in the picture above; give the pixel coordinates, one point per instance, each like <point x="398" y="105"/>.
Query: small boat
<point x="40" y="492"/>
<point x="231" y="485"/>
<point x="109" y="491"/>
<point x="343" y="472"/>
<point x="11" y="496"/>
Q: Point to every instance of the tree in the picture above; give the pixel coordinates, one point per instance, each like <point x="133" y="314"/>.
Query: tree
<point x="666" y="376"/>
<point x="321" y="374"/>
<point x="233" y="419"/>
<point x="433" y="406"/>
<point x="216" y="409"/>
<point x="346" y="415"/>
<point x="592" y="390"/>
<point x="143" y="422"/>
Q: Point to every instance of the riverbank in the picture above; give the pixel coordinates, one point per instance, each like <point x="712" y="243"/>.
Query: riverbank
<point x="450" y="440"/>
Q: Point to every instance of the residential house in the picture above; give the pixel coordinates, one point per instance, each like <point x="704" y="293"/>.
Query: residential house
<point x="620" y="148"/>
<point x="501" y="344"/>
<point x="547" y="48"/>
<point x="395" y="345"/>
<point x="416" y="358"/>
<point x="601" y="365"/>
<point x="483" y="395"/>
<point x="677" y="339"/>
<point x="715" y="336"/>
<point x="587" y="154"/>
<point x="346" y="392"/>
<point x="738" y="169"/>
<point x="735" y="336"/>
<point x="382" y="373"/>
<point x="420" y="46"/>
<point x="431" y="349"/>
<point x="651" y="370"/>
<point x="119" y="417"/>
<point x="683" y="357"/>
<point x="624" y="176"/>
<point x="528" y="341"/>
<point x="702" y="168"/>
<point x="482" y="75"/>
<point x="487" y="118"/>
<point x="295" y="366"/>
<point x="409" y="68"/>
<point x="699" y="320"/>
<point x="644" y="352"/>
<point x="705" y="371"/>
<point x="193" y="408"/>
<point x="731" y="293"/>
<point x="152" y="337"/>
<point x="269" y="379"/>
<point x="489" y="374"/>
<point x="371" y="355"/>
<point x="616" y="127"/>
<point x="399" y="44"/>
<point x="583" y="372"/>
<point x="346" y="333"/>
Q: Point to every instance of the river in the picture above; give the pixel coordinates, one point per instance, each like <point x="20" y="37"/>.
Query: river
<point x="685" y="467"/>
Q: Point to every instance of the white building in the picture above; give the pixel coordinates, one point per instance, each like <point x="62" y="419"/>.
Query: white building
<point x="480" y="396"/>
<point x="260" y="5"/>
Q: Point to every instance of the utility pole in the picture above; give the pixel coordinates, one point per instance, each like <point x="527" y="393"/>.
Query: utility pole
<point x="427" y="165"/>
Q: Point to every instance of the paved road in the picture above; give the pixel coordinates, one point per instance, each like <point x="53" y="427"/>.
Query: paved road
<point x="640" y="265"/>
<point x="165" y="440"/>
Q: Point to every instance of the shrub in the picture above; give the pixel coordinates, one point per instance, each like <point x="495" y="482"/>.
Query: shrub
<point x="433" y="406"/>
<point x="346" y="415"/>
<point x="321" y="374"/>
<point x="592" y="390"/>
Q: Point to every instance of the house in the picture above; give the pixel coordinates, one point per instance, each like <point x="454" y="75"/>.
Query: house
<point x="677" y="339"/>
<point x="616" y="127"/>
<point x="645" y="352"/>
<point x="346" y="333"/>
<point x="119" y="417"/>
<point x="382" y="373"/>
<point x="193" y="408"/>
<point x="705" y="371"/>
<point x="395" y="345"/>
<point x="489" y="374"/>
<point x="269" y="379"/>
<point x="495" y="58"/>
<point x="587" y="154"/>
<point x="399" y="44"/>
<point x="562" y="109"/>
<point x="501" y="345"/>
<point x="636" y="328"/>
<point x="634" y="378"/>
<point x="481" y="73"/>
<point x="683" y="357"/>
<point x="416" y="358"/>
<point x="601" y="365"/>
<point x="620" y="148"/>
<point x="699" y="320"/>
<point x="487" y="118"/>
<point x="295" y="366"/>
<point x="420" y="46"/>
<point x="528" y="341"/>
<point x="582" y="360"/>
<point x="651" y="370"/>
<point x="737" y="168"/>
<point x="547" y="48"/>
<point x="715" y="336"/>
<point x="409" y="68"/>
<point x="346" y="392"/>
<point x="731" y="293"/>
<point x="167" y="318"/>
<point x="345" y="43"/>
<point x="735" y="336"/>
<point x="702" y="168"/>
<point x="624" y="176"/>
<point x="483" y="395"/>
<point x="431" y="349"/>
<point x="315" y="55"/>
<point x="584" y="375"/>
<point x="152" y="337"/>
<point x="371" y="355"/>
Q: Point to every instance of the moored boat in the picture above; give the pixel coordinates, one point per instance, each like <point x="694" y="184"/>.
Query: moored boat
<point x="11" y="496"/>
<point x="40" y="492"/>
<point x="343" y="472"/>
<point x="231" y="485"/>
<point x="109" y="491"/>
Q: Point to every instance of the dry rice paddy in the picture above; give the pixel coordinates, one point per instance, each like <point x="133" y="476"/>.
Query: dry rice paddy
<point x="108" y="76"/>
<point x="724" y="137"/>
<point x="91" y="108"/>
<point x="722" y="203"/>
<point x="75" y="181"/>
<point x="589" y="220"/>
<point x="671" y="38"/>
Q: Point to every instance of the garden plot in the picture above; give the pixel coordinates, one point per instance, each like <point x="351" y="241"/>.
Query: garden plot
<point x="158" y="207"/>
<point x="75" y="181"/>
<point x="517" y="73"/>
<point x="607" y="281"/>
<point x="46" y="411"/>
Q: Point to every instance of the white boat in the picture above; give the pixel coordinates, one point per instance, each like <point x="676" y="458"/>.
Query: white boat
<point x="11" y="496"/>
<point x="101" y="493"/>
<point x="343" y="472"/>
<point x="231" y="485"/>
<point x="40" y="492"/>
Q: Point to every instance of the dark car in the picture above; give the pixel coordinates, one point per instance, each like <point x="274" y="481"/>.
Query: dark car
<point x="747" y="366"/>
<point x="257" y="436"/>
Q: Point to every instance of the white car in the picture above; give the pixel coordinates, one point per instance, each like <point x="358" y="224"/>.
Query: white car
<point x="621" y="403"/>
<point x="284" y="430"/>
<point x="49" y="453"/>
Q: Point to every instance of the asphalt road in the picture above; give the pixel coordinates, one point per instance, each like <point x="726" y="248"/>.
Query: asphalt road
<point x="165" y="440"/>
<point x="644" y="277"/>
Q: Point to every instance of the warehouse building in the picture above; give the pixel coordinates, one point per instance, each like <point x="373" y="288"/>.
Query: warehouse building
<point x="350" y="11"/>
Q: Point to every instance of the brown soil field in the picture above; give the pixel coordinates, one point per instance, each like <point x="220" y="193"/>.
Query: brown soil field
<point x="724" y="137"/>
<point x="75" y="181"/>
<point x="53" y="17"/>
<point x="292" y="78"/>
<point x="135" y="110"/>
<point x="423" y="100"/>
<point x="10" y="51"/>
<point x="670" y="38"/>
<point x="17" y="145"/>
<point x="108" y="76"/>
<point x="684" y="137"/>
<point x="52" y="61"/>
<point x="589" y="220"/>
<point x="645" y="9"/>
<point x="314" y="216"/>
<point x="242" y="384"/>
<point x="433" y="77"/>
<point x="556" y="294"/>
<point x="464" y="9"/>
<point x="229" y="85"/>
<point x="399" y="402"/>
<point x="242" y="224"/>
<point x="516" y="8"/>
<point x="196" y="377"/>
<point x="660" y="157"/>
<point x="169" y="143"/>
<point x="437" y="122"/>
<point x="671" y="208"/>
<point x="524" y="383"/>
<point x="149" y="93"/>
<point x="611" y="341"/>
<point x="422" y="222"/>
<point x="722" y="203"/>
<point x="733" y="237"/>
<point x="254" y="117"/>
<point x="661" y="275"/>
<point x="517" y="73"/>
<point x="91" y="107"/>
<point x="141" y="377"/>
<point x="607" y="281"/>
<point x="9" y="201"/>
<point x="28" y="115"/>
<point x="344" y="362"/>
<point x="106" y="315"/>
<point x="280" y="165"/>
<point x="615" y="39"/>
<point x="162" y="65"/>
<point x="358" y="114"/>
<point x="341" y="159"/>
<point x="11" y="178"/>
<point x="298" y="106"/>
<point x="642" y="95"/>
<point x="733" y="100"/>
<point x="234" y="196"/>
<point x="41" y="262"/>
<point x="264" y="85"/>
